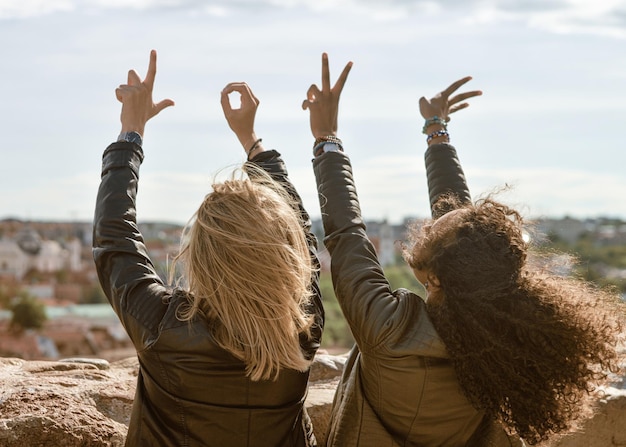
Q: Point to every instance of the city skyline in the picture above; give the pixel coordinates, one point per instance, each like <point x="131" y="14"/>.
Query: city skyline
<point x="548" y="123"/>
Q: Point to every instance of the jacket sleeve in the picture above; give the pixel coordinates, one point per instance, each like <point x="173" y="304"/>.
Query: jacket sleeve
<point x="126" y="273"/>
<point x="375" y="314"/>
<point x="272" y="163"/>
<point x="445" y="174"/>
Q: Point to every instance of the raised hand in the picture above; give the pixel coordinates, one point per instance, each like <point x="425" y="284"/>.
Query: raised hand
<point x="323" y="104"/>
<point x="241" y="120"/>
<point x="136" y="98"/>
<point x="442" y="105"/>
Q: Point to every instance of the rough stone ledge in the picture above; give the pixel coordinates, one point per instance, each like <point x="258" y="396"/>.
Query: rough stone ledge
<point x="87" y="403"/>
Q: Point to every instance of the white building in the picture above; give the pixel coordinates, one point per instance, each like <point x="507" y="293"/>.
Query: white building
<point x="28" y="251"/>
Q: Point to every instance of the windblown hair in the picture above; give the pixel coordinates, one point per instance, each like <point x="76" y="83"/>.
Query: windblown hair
<point x="530" y="347"/>
<point x="249" y="271"/>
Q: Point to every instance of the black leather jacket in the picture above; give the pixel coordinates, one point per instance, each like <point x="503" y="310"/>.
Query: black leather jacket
<point x="190" y="392"/>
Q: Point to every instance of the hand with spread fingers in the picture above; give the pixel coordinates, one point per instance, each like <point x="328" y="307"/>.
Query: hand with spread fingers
<point x="437" y="110"/>
<point x="136" y="97"/>
<point x="241" y="120"/>
<point x="443" y="105"/>
<point x="323" y="104"/>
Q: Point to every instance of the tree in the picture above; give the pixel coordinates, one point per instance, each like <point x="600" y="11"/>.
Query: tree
<point x="94" y="295"/>
<point x="28" y="313"/>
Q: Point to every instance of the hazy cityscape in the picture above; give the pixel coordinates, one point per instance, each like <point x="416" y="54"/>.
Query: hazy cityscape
<point x="51" y="304"/>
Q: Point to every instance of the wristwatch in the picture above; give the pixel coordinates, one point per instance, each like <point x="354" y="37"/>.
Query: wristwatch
<point x="331" y="147"/>
<point x="326" y="146"/>
<point x="130" y="137"/>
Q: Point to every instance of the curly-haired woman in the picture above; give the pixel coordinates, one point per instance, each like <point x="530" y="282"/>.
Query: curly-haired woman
<point x="499" y="349"/>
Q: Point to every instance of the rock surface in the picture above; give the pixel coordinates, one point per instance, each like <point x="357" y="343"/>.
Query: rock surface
<point x="87" y="402"/>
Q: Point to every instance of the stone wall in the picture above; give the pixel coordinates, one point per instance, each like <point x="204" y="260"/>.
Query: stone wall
<point x="87" y="402"/>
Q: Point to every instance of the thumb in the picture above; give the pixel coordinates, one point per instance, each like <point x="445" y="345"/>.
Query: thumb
<point x="162" y="105"/>
<point x="424" y="105"/>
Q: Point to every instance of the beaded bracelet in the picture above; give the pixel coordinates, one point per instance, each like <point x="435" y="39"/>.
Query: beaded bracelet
<point x="434" y="120"/>
<point x="438" y="133"/>
<point x="327" y="139"/>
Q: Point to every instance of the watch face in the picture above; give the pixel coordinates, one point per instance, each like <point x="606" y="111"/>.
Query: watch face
<point x="331" y="147"/>
<point x="131" y="137"/>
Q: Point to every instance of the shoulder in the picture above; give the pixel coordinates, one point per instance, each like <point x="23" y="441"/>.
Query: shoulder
<point x="414" y="333"/>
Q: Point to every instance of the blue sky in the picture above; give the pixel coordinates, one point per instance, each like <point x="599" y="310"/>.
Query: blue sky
<point x="550" y="122"/>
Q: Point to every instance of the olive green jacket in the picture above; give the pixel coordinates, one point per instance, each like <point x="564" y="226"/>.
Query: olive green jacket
<point x="399" y="386"/>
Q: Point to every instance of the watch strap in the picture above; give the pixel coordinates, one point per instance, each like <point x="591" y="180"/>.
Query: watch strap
<point x="131" y="137"/>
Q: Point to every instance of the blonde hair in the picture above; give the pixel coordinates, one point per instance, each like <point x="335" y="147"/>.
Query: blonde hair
<point x="249" y="270"/>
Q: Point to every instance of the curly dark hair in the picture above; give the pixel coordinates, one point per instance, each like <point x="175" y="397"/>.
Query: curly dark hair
<point x="530" y="346"/>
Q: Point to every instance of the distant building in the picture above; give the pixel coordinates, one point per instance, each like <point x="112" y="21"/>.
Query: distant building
<point x="14" y="262"/>
<point x="385" y="237"/>
<point x="567" y="228"/>
<point x="28" y="251"/>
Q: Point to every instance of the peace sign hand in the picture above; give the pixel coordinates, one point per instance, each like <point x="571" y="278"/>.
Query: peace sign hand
<point x="136" y="98"/>
<point x="323" y="104"/>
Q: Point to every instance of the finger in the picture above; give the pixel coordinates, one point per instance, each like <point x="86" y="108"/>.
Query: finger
<point x="225" y="100"/>
<point x="455" y="86"/>
<point x="458" y="107"/>
<point x="162" y="105"/>
<point x="235" y="87"/>
<point x="123" y="91"/>
<point x="256" y="100"/>
<point x="247" y="98"/>
<point x="325" y="73"/>
<point x="338" y="87"/>
<point x="423" y="102"/>
<point x="230" y="87"/>
<point x="464" y="96"/>
<point x="306" y="104"/>
<point x="313" y="92"/>
<point x="149" y="80"/>
<point x="133" y="78"/>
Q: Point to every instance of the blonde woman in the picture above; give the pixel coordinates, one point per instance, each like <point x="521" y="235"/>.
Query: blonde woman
<point x="223" y="361"/>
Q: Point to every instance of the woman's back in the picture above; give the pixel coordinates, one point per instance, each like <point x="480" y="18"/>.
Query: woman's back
<point x="196" y="393"/>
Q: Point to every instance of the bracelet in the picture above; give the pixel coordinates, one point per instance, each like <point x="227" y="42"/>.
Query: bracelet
<point x="438" y="133"/>
<point x="327" y="139"/>
<point x="254" y="146"/>
<point x="434" y="120"/>
<point x="320" y="141"/>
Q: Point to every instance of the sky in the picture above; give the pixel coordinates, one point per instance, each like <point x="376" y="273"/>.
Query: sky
<point x="550" y="122"/>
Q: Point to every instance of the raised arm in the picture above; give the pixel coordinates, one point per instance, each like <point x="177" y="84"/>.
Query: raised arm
<point x="241" y="122"/>
<point x="138" y="107"/>
<point x="366" y="299"/>
<point x="126" y="273"/>
<point x="443" y="169"/>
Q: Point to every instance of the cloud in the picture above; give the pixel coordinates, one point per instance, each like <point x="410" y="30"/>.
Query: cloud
<point x="600" y="17"/>
<point x="20" y="9"/>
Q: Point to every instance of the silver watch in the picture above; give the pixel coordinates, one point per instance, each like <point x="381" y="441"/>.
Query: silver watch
<point x="131" y="137"/>
<point x="331" y="147"/>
